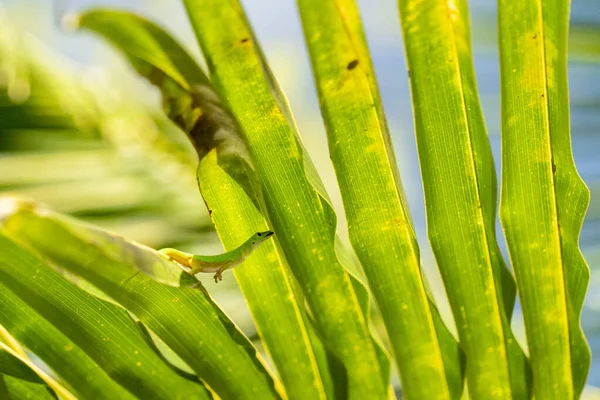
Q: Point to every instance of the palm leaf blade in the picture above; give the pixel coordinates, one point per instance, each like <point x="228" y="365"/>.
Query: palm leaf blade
<point x="543" y="198"/>
<point x="460" y="191"/>
<point x="296" y="205"/>
<point x="380" y="228"/>
<point x="185" y="319"/>
<point x="228" y="184"/>
<point x="94" y="325"/>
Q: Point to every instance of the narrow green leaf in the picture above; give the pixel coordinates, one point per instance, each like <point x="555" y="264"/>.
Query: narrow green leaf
<point x="102" y="330"/>
<point x="14" y="368"/>
<point x="59" y="389"/>
<point x="147" y="336"/>
<point x="17" y="389"/>
<point x="379" y="223"/>
<point x="84" y="377"/>
<point x="4" y="393"/>
<point x="229" y="186"/>
<point x="543" y="200"/>
<point x="303" y="220"/>
<point x="459" y="183"/>
<point x="185" y="319"/>
<point x="281" y="326"/>
<point x="11" y="365"/>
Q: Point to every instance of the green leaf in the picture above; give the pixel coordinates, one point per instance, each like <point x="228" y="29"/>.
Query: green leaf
<point x="459" y="184"/>
<point x="150" y="341"/>
<point x="8" y="353"/>
<point x="379" y="223"/>
<point x="102" y="330"/>
<point x="303" y="220"/>
<point x="229" y="187"/>
<point x="17" y="389"/>
<point x="185" y="319"/>
<point x="84" y="377"/>
<point x="543" y="199"/>
<point x="12" y="365"/>
<point x="280" y="324"/>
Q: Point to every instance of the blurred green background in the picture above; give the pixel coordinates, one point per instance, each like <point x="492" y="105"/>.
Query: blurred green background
<point x="81" y="133"/>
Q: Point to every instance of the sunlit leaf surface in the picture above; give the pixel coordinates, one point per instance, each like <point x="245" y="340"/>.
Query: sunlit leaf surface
<point x="459" y="184"/>
<point x="185" y="319"/>
<point x="229" y="186"/>
<point x="378" y="218"/>
<point x="543" y="198"/>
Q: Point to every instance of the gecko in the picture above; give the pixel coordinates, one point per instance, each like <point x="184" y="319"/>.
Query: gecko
<point x="195" y="263"/>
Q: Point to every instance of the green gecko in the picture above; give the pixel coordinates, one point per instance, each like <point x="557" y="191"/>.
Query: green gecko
<point x="218" y="263"/>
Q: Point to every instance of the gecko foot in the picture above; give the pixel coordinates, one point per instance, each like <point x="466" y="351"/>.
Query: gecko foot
<point x="218" y="277"/>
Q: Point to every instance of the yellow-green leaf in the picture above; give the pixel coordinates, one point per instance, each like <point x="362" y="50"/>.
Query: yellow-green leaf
<point x="185" y="319"/>
<point x="459" y="184"/>
<point x="230" y="189"/>
<point x="543" y="198"/>
<point x="17" y="389"/>
<point x="11" y="354"/>
<point x="379" y="223"/>
<point x="66" y="359"/>
<point x="102" y="330"/>
<point x="298" y="210"/>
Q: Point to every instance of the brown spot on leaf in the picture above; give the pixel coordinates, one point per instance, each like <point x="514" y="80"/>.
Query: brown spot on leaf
<point x="351" y="65"/>
<point x="244" y="40"/>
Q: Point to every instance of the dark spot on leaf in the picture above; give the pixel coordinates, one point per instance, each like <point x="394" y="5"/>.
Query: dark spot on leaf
<point x="553" y="168"/>
<point x="210" y="213"/>
<point x="244" y="40"/>
<point x="535" y="35"/>
<point x="351" y="65"/>
<point x="542" y="95"/>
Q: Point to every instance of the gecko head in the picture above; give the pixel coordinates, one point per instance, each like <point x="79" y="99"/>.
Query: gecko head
<point x="260" y="237"/>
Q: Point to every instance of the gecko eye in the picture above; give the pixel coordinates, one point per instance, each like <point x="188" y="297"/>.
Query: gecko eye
<point x="259" y="234"/>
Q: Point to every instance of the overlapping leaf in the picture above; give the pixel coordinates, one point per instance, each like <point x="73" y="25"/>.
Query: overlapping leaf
<point x="17" y="389"/>
<point x="378" y="218"/>
<point x="18" y="366"/>
<point x="459" y="183"/>
<point x="59" y="352"/>
<point x="229" y="186"/>
<point x="185" y="319"/>
<point x="12" y="365"/>
<point x="543" y="198"/>
<point x="102" y="330"/>
<point x="296" y="206"/>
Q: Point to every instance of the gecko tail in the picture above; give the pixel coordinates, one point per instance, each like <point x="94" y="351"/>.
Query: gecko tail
<point x="184" y="259"/>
